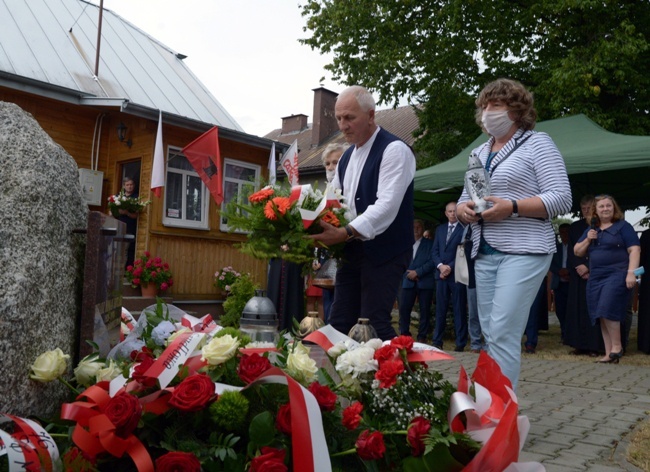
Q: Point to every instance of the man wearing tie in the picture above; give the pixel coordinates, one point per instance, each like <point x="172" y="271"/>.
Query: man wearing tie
<point x="560" y="276"/>
<point x="418" y="281"/>
<point x="447" y="239"/>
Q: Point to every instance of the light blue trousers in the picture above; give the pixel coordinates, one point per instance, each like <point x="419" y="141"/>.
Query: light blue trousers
<point x="506" y="285"/>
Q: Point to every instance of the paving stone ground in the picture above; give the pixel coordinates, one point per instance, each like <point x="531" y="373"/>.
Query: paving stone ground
<point x="581" y="414"/>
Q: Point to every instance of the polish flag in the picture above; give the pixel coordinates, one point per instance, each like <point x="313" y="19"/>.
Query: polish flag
<point x="158" y="169"/>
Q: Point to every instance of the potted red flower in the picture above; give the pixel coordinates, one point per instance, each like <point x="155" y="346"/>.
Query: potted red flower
<point x="151" y="274"/>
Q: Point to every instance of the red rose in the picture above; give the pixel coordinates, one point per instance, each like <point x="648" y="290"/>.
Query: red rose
<point x="403" y="342"/>
<point x="352" y="416"/>
<point x="370" y="446"/>
<point x="324" y="396"/>
<point x="271" y="460"/>
<point x="418" y="429"/>
<point x="140" y="369"/>
<point x="388" y="372"/>
<point x="178" y="462"/>
<point x="193" y="393"/>
<point x="124" y="411"/>
<point x="252" y="366"/>
<point x="386" y="353"/>
<point x="283" y="420"/>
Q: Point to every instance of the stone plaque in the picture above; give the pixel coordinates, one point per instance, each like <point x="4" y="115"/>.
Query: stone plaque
<point x="106" y="244"/>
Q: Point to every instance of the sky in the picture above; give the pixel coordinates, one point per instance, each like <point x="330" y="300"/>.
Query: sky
<point x="246" y="52"/>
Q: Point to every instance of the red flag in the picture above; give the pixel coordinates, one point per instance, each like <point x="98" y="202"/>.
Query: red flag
<point x="203" y="153"/>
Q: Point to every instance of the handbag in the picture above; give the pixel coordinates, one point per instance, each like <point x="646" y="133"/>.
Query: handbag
<point x="461" y="268"/>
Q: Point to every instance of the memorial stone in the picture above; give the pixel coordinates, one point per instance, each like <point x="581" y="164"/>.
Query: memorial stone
<point x="41" y="204"/>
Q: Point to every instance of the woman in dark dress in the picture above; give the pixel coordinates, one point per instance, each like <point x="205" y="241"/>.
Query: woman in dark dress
<point x="644" y="296"/>
<point x="580" y="334"/>
<point x="614" y="254"/>
<point x="129" y="219"/>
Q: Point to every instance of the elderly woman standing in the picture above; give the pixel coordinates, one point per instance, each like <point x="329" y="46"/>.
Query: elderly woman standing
<point x="513" y="240"/>
<point x="614" y="253"/>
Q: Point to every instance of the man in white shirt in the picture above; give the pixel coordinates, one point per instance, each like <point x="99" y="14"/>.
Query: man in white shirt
<point x="376" y="176"/>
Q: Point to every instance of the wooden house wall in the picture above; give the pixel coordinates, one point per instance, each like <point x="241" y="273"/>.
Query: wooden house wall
<point x="194" y="255"/>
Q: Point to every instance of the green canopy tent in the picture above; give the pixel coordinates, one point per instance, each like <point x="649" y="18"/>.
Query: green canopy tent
<point x="597" y="161"/>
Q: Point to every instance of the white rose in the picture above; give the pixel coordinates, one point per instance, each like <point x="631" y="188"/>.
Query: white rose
<point x="300" y="366"/>
<point x="87" y="369"/>
<point x="219" y="350"/>
<point x="49" y="366"/>
<point x="374" y="343"/>
<point x="109" y="372"/>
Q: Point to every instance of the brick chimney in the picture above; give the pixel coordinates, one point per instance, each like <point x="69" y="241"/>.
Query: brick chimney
<point x="294" y="123"/>
<point x="324" y="120"/>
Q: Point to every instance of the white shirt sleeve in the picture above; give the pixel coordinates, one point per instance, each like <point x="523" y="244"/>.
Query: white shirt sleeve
<point x="395" y="175"/>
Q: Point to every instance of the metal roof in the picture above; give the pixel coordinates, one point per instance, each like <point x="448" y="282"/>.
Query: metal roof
<point x="49" y="46"/>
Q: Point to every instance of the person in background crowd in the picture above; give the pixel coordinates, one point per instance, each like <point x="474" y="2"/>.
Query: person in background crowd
<point x="129" y="219"/>
<point x="643" y="340"/>
<point x="286" y="289"/>
<point x="447" y="239"/>
<point x="532" y="326"/>
<point x="513" y="240"/>
<point x="376" y="177"/>
<point x="560" y="277"/>
<point x="330" y="158"/>
<point x="418" y="282"/>
<point x="579" y="333"/>
<point x="473" y="323"/>
<point x="614" y="253"/>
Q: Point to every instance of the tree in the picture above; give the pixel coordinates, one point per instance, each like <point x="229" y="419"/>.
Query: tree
<point x="577" y="56"/>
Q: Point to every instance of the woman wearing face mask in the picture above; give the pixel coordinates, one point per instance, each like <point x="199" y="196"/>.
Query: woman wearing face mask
<point x="330" y="157"/>
<point x="513" y="240"/>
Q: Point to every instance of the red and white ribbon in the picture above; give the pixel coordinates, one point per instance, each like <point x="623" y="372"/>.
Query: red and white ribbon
<point x="200" y="325"/>
<point x="29" y="448"/>
<point x="310" y="453"/>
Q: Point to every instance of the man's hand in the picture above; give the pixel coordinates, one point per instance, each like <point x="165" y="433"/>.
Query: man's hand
<point x="583" y="271"/>
<point x="445" y="270"/>
<point x="411" y="275"/>
<point x="331" y="235"/>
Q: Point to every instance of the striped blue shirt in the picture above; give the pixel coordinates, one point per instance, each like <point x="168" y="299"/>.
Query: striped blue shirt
<point x="536" y="168"/>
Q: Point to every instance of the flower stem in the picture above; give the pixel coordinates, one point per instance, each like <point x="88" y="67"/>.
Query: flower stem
<point x="67" y="384"/>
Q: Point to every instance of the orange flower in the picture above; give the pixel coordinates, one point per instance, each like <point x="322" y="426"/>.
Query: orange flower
<point x="261" y="195"/>
<point x="331" y="218"/>
<point x="279" y="204"/>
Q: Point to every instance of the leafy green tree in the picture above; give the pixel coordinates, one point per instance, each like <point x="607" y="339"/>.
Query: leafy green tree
<point x="577" y="56"/>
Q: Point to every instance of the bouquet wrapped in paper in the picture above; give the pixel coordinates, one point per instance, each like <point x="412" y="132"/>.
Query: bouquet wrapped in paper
<point x="122" y="202"/>
<point x="277" y="219"/>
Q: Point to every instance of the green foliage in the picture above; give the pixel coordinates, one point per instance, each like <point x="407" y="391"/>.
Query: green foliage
<point x="241" y="291"/>
<point x="577" y="56"/>
<point x="229" y="411"/>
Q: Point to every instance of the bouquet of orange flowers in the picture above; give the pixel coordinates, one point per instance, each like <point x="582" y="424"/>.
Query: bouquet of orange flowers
<point x="277" y="219"/>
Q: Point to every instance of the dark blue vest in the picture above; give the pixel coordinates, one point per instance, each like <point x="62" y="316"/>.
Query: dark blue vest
<point x="398" y="237"/>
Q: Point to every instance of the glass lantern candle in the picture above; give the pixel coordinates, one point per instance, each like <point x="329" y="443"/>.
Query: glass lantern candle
<point x="259" y="319"/>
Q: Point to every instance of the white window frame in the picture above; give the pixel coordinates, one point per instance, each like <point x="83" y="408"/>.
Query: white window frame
<point x="258" y="171"/>
<point x="204" y="223"/>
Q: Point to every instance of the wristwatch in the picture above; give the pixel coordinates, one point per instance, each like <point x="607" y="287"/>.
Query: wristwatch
<point x="515" y="208"/>
<point x="350" y="233"/>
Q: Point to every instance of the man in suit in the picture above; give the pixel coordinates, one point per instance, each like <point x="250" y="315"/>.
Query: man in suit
<point x="560" y="276"/>
<point x="376" y="177"/>
<point x="418" y="281"/>
<point x="447" y="239"/>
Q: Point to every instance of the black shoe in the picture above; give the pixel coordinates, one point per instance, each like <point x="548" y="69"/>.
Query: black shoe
<point x="422" y="340"/>
<point x="439" y="346"/>
<point x="616" y="355"/>
<point x="459" y="349"/>
<point x="530" y="349"/>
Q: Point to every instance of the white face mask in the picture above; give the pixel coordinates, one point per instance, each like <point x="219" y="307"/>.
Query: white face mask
<point x="497" y="123"/>
<point x="330" y="174"/>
